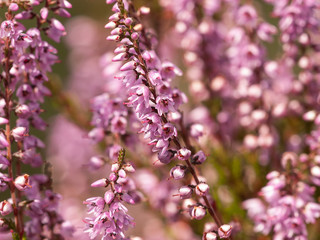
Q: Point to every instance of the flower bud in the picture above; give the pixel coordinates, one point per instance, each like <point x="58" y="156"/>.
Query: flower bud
<point x="202" y="189"/>
<point x="185" y="192"/>
<point x="112" y="177"/>
<point x="19" y="133"/>
<point x="22" y="182"/>
<point x="13" y="7"/>
<point x="128" y="21"/>
<point x="122" y="173"/>
<point x="114" y="167"/>
<point x="184" y="154"/>
<point x="129" y="168"/>
<point x="23" y="111"/>
<point x="178" y="172"/>
<point x="128" y="66"/>
<point x="209" y="236"/>
<point x="5" y="208"/>
<point x="110" y="25"/>
<point x="198" y="212"/>
<point x="103" y="182"/>
<point x="224" y="231"/>
<point x="199" y="158"/>
<point x="108" y="197"/>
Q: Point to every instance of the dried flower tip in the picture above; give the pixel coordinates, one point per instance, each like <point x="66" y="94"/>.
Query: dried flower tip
<point x="5" y="208"/>
<point x="202" y="189"/>
<point x="22" y="182"/>
<point x="224" y="231"/>
<point x="184" y="154"/>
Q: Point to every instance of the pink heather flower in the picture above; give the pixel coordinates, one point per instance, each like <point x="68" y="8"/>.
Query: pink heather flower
<point x="202" y="189"/>
<point x="198" y="212"/>
<point x="199" y="158"/>
<point x="210" y="236"/>
<point x="185" y="192"/>
<point x="19" y="133"/>
<point x="22" y="182"/>
<point x="5" y="208"/>
<point x="178" y="172"/>
<point x="225" y="231"/>
<point x="183" y="154"/>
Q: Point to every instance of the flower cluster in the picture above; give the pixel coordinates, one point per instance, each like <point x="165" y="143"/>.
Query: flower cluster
<point x="110" y="217"/>
<point x="156" y="103"/>
<point x="288" y="203"/>
<point x="26" y="59"/>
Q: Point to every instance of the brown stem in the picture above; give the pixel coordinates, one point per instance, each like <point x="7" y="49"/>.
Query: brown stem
<point x="7" y="99"/>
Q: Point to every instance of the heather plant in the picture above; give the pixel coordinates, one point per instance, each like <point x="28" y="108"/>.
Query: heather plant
<point x="180" y="120"/>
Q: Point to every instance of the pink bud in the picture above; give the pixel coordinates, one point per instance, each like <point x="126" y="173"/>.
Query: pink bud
<point x="117" y="31"/>
<point x="57" y="24"/>
<point x="112" y="177"/>
<point x="13" y="7"/>
<point x="113" y="38"/>
<point x="110" y="25"/>
<point x="3" y="141"/>
<point x="120" y="57"/>
<point x="3" y="120"/>
<point x="19" y="133"/>
<point x="114" y="167"/>
<point x="5" y="208"/>
<point x="128" y="21"/>
<point x="224" y="231"/>
<point x="202" y="189"/>
<point x="127" y="198"/>
<point x="129" y="168"/>
<point x="122" y="173"/>
<point x="100" y="183"/>
<point x="109" y="196"/>
<point x="115" y="17"/>
<point x="128" y="66"/>
<point x="135" y="36"/>
<point x="44" y="13"/>
<point x="22" y="182"/>
<point x="118" y="188"/>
